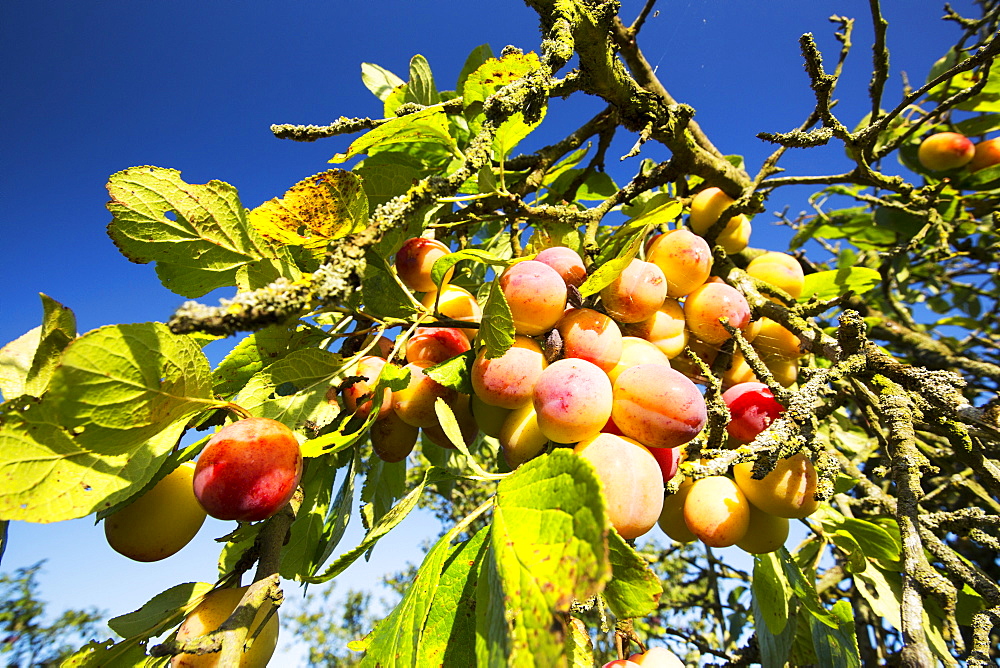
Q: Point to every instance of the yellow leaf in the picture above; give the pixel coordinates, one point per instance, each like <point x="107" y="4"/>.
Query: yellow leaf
<point x="324" y="206"/>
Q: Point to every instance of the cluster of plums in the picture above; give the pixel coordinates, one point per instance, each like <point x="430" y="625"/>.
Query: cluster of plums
<point x="248" y="471"/>
<point x="944" y="151"/>
<point x="605" y="376"/>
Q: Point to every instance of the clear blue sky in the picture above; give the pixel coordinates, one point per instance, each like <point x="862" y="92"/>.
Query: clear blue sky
<point x="90" y="88"/>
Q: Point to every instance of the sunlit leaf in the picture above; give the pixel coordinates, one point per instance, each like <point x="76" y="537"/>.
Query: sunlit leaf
<point x="836" y="282"/>
<point x="325" y="206"/>
<point x="198" y="235"/>
<point x="635" y="589"/>
<point x="425" y="126"/>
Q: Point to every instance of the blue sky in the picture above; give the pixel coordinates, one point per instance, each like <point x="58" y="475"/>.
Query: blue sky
<point x="93" y="88"/>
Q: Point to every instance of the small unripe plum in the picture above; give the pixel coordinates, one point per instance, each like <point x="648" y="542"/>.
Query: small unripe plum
<point x="590" y="335"/>
<point x="209" y="615"/>
<point x="159" y="523"/>
<point x="520" y="436"/>
<point x="716" y="511"/>
<point x="630" y="478"/>
<point x="780" y="270"/>
<point x="775" y="340"/>
<point x="945" y="150"/>
<point x="657" y="657"/>
<point x="665" y="329"/>
<point x="414" y="261"/>
<point x="785" y="371"/>
<point x="488" y="418"/>
<point x="707" y="207"/>
<point x="536" y="294"/>
<point x="636" y="293"/>
<point x="392" y="439"/>
<point x="752" y="409"/>
<point x="684" y="258"/>
<point x="456" y="303"/>
<point x="414" y="404"/>
<point x="737" y="372"/>
<point x="671" y="518"/>
<point x="987" y="154"/>
<point x="637" y="351"/>
<point x="436" y="344"/>
<point x="704" y="307"/>
<point x="787" y="491"/>
<point x="509" y="381"/>
<point x="358" y="395"/>
<point x="567" y="262"/>
<point x="658" y="406"/>
<point x="766" y="532"/>
<point x="248" y="470"/>
<point x="572" y="399"/>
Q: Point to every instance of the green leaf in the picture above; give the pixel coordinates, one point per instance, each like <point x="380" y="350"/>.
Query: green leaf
<point x="494" y="74"/>
<point x="293" y="389"/>
<point x="771" y="592"/>
<point x="634" y="590"/>
<point x="612" y="269"/>
<point x="834" y="283"/>
<point x="58" y="331"/>
<point x="838" y="647"/>
<point x="512" y="131"/>
<point x="161" y="612"/>
<point x="579" y="646"/>
<point x="198" y="235"/>
<point x="258" y="351"/>
<point x="549" y="543"/>
<point x="108" y="654"/>
<point x="427" y="126"/>
<point x="775" y="649"/>
<point x="454" y="373"/>
<point x="497" y="328"/>
<point x="299" y="551"/>
<point x="884" y="592"/>
<point x="382" y="292"/>
<point x="420" y="88"/>
<point x="340" y="514"/>
<point x="873" y="540"/>
<point x="433" y="624"/>
<point x="493" y="643"/>
<point x="15" y="362"/>
<point x="388" y="174"/>
<point x="477" y="57"/>
<point x="385" y="524"/>
<point x="446" y="262"/>
<point x="379" y="80"/>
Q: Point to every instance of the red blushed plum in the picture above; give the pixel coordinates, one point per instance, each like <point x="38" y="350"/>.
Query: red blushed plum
<point x="666" y="329"/>
<point x="637" y="293"/>
<point x="573" y="400"/>
<point x="704" y="307"/>
<point x="658" y="406"/>
<point x="509" y="381"/>
<point x="684" y="258"/>
<point x="780" y="270"/>
<point x="630" y="478"/>
<point x="592" y="336"/>
<point x="414" y="404"/>
<point x="657" y="657"/>
<point x="945" y="150"/>
<point x="358" y="395"/>
<point x="436" y="344"/>
<point x="636" y="351"/>
<point x="456" y="303"/>
<point x="752" y="409"/>
<point x="536" y="294"/>
<point x="392" y="439"/>
<point x="987" y="154"/>
<point x="567" y="263"/>
<point x="668" y="459"/>
<point x="414" y="261"/>
<point x="248" y="470"/>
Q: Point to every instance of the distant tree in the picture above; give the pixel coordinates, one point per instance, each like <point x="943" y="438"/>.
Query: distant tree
<point x="27" y="640"/>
